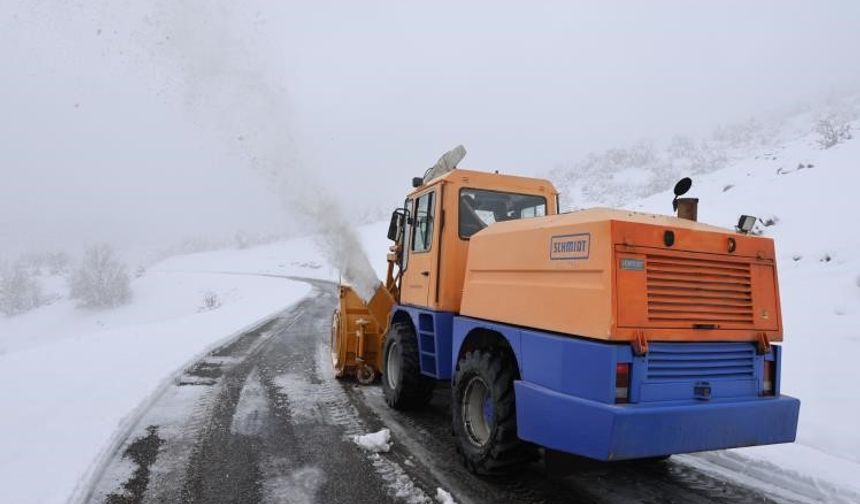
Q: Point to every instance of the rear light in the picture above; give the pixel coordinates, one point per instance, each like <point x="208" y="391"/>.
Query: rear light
<point x="622" y="383"/>
<point x="769" y="378"/>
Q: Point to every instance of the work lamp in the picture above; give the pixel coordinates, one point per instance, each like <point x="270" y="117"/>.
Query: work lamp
<point x="746" y="223"/>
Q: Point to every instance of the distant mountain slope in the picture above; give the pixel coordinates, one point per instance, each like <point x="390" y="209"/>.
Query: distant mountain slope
<point x="617" y="177"/>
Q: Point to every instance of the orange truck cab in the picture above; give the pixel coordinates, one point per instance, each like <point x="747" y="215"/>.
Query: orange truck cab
<point x="604" y="333"/>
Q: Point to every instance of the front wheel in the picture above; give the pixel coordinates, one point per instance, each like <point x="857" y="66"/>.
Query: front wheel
<point x="403" y="385"/>
<point x="484" y="416"/>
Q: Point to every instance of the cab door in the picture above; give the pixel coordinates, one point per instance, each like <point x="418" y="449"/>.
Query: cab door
<point x="420" y="275"/>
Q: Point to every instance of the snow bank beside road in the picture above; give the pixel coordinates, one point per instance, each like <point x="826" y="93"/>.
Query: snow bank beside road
<point x="71" y="377"/>
<point x="298" y="257"/>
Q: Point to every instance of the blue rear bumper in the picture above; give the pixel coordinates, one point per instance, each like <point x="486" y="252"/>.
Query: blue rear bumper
<point x="616" y="432"/>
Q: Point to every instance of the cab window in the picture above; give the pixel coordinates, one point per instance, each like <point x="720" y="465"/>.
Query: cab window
<point x="480" y="208"/>
<point x="422" y="228"/>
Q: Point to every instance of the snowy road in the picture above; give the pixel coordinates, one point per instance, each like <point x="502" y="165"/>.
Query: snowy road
<point x="261" y="419"/>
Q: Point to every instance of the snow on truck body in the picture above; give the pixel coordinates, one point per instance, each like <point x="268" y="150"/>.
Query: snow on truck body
<point x="621" y="335"/>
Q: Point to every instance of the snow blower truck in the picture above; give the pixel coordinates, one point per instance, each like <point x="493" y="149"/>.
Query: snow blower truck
<point x="608" y="334"/>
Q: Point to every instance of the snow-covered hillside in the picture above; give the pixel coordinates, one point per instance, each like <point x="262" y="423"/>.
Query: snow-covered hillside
<point x="622" y="176"/>
<point x="72" y="378"/>
<point x="806" y="198"/>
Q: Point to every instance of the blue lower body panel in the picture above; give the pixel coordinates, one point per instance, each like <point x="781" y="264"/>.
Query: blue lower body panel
<point x="616" y="432"/>
<point x="433" y="330"/>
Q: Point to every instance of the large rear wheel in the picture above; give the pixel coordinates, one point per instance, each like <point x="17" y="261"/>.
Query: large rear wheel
<point x="484" y="413"/>
<point x="403" y="385"/>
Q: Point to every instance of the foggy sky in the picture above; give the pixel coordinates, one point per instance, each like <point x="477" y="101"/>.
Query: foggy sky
<point x="142" y="123"/>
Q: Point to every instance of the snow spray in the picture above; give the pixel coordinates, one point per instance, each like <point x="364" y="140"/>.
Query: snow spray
<point x="227" y="90"/>
<point x="340" y="245"/>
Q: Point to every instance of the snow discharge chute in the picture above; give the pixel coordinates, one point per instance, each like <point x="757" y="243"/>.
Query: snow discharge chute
<point x="361" y="319"/>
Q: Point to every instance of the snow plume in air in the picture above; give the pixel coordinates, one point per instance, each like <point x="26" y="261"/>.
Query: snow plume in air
<point x="339" y="243"/>
<point x="229" y="87"/>
<point x="342" y="248"/>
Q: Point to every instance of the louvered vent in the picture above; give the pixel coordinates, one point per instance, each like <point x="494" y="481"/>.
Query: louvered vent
<point x="698" y="291"/>
<point x="700" y="361"/>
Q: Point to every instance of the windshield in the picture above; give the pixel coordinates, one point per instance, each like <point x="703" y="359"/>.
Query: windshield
<point x="480" y="208"/>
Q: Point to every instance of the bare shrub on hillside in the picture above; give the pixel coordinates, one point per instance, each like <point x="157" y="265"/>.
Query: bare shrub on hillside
<point x="101" y="280"/>
<point x="832" y="132"/>
<point x="211" y="301"/>
<point x="599" y="170"/>
<point x="617" y="176"/>
<point x="20" y="292"/>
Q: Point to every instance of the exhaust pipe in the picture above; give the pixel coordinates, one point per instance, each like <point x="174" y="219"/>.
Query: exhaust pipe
<point x="688" y="208"/>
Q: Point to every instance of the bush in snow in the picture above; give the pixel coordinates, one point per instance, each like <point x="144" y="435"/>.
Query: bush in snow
<point x="211" y="301"/>
<point x="832" y="132"/>
<point x="19" y="290"/>
<point x="100" y="280"/>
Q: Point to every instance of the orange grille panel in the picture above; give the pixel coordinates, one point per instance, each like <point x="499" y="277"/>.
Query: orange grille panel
<point x="695" y="291"/>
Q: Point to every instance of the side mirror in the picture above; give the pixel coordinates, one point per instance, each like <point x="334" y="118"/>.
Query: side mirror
<point x="395" y="226"/>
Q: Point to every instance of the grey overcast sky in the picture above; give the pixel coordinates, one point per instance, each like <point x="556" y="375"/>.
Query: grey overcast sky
<point x="144" y="122"/>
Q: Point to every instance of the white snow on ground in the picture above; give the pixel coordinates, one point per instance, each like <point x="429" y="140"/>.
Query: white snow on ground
<point x="74" y="378"/>
<point x="339" y="408"/>
<point x="375" y="441"/>
<point x="443" y="497"/>
<point x="810" y="195"/>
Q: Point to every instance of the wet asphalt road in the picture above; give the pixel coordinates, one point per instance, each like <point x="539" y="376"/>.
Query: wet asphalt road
<point x="262" y="419"/>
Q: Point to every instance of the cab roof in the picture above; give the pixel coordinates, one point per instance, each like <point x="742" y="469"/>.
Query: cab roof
<point x="490" y="181"/>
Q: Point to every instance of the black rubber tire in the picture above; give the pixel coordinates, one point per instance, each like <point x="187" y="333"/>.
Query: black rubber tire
<point x="503" y="451"/>
<point x="412" y="389"/>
